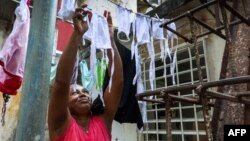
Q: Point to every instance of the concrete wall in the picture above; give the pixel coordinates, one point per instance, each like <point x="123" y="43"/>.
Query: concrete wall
<point x="7" y="132"/>
<point x="215" y="49"/>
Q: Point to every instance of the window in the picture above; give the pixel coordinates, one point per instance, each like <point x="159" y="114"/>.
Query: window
<point x="187" y="119"/>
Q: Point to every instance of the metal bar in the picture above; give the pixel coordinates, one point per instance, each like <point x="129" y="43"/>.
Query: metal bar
<point x="35" y="89"/>
<point x="241" y="94"/>
<point x="227" y="97"/>
<point x="178" y="34"/>
<point x="149" y="4"/>
<point x="191" y="11"/>
<point x="151" y="100"/>
<point x="172" y="89"/>
<point x="229" y="81"/>
<point x="224" y="18"/>
<point x="220" y="28"/>
<point x="201" y="92"/>
<point x="236" y="13"/>
<point x="217" y="15"/>
<point x="168" y="89"/>
<point x="208" y="27"/>
<point x="184" y="99"/>
<point x="168" y="116"/>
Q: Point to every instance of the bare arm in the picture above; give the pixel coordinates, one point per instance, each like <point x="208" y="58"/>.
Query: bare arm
<point x="112" y="98"/>
<point x="58" y="114"/>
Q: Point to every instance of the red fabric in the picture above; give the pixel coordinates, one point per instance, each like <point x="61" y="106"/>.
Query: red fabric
<point x="65" y="30"/>
<point x="13" y="53"/>
<point x="28" y="2"/>
<point x="98" y="131"/>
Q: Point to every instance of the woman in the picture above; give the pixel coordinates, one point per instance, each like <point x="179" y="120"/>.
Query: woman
<point x="70" y="117"/>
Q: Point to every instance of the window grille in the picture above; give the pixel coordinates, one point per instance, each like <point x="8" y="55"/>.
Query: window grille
<point x="187" y="119"/>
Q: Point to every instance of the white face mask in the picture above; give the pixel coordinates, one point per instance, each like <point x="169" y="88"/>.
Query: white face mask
<point x="124" y="18"/>
<point x="157" y="31"/>
<point x="142" y="29"/>
<point x="67" y="9"/>
<point x="98" y="34"/>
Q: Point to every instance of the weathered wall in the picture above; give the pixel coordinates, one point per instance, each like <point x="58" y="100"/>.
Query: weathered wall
<point x="7" y="132"/>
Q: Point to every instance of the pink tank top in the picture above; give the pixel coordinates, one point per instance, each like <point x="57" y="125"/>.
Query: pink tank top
<point x="98" y="131"/>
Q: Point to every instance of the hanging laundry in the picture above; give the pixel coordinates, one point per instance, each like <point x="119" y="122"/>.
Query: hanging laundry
<point x="124" y="18"/>
<point x="158" y="33"/>
<point x="67" y="9"/>
<point x="86" y="77"/>
<point x="141" y="36"/>
<point x="128" y="111"/>
<point x="13" y="53"/>
<point x="151" y="53"/>
<point x="98" y="34"/>
<point x="100" y="71"/>
<point x="75" y="72"/>
<point x="172" y="26"/>
<point x="173" y="37"/>
<point x="28" y="2"/>
<point x="172" y="67"/>
<point x="142" y="29"/>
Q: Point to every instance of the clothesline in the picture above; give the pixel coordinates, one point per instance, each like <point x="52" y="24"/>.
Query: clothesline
<point x="129" y="9"/>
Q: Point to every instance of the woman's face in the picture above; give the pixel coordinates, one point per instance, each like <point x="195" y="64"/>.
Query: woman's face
<point x="79" y="100"/>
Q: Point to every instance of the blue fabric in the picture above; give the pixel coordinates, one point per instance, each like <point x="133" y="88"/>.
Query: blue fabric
<point x="86" y="77"/>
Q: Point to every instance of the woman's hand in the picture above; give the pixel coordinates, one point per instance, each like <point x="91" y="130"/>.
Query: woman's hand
<point x="81" y="26"/>
<point x="110" y="23"/>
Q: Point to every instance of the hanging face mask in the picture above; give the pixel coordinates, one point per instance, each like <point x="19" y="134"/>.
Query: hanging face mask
<point x="101" y="33"/>
<point x="67" y="9"/>
<point x="142" y="29"/>
<point x="157" y="31"/>
<point x="170" y="34"/>
<point x="98" y="34"/>
<point x="124" y="19"/>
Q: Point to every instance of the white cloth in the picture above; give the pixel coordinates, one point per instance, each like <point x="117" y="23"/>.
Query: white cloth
<point x="67" y="9"/>
<point x="124" y="18"/>
<point x="141" y="33"/>
<point x="98" y="34"/>
<point x="142" y="29"/>
<point x="158" y="33"/>
<point x="172" y="67"/>
<point x="151" y="52"/>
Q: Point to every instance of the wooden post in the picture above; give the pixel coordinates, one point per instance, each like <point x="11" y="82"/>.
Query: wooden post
<point x="35" y="89"/>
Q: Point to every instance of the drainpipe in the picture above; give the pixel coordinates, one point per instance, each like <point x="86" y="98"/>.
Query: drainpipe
<point x="35" y="90"/>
